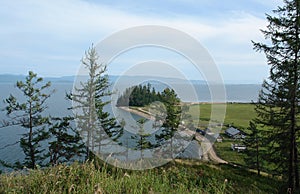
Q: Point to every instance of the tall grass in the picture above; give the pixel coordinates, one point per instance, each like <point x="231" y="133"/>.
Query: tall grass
<point x="172" y="178"/>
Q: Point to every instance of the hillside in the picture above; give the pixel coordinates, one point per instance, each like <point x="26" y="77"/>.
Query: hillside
<point x="179" y="177"/>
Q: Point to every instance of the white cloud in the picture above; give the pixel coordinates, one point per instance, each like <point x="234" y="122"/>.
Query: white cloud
<point x="28" y="26"/>
<point x="68" y="18"/>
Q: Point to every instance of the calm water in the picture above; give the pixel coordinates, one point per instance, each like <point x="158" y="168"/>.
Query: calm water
<point x="58" y="106"/>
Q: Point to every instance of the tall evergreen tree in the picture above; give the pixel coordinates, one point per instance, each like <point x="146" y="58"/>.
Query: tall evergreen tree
<point x="29" y="115"/>
<point x="254" y="151"/>
<point x="89" y="100"/>
<point x="173" y="110"/>
<point x="141" y="138"/>
<point x="278" y="104"/>
<point x="108" y="126"/>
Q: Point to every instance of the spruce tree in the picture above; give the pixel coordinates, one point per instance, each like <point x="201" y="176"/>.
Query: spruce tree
<point x="173" y="114"/>
<point x="278" y="104"/>
<point x="89" y="102"/>
<point x="142" y="141"/>
<point x="254" y="151"/>
<point x="28" y="114"/>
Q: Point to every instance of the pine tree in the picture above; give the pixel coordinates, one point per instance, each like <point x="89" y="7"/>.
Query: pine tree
<point x="89" y="101"/>
<point x="109" y="128"/>
<point x="173" y="110"/>
<point x="142" y="137"/>
<point x="29" y="115"/>
<point x="278" y="104"/>
<point x="254" y="151"/>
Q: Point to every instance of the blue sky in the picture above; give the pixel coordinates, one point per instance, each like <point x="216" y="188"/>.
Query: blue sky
<point x="50" y="37"/>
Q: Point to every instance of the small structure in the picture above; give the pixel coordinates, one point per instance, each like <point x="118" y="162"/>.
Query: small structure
<point x="234" y="133"/>
<point x="238" y="147"/>
<point x="202" y="132"/>
<point x="192" y="151"/>
<point x="219" y="139"/>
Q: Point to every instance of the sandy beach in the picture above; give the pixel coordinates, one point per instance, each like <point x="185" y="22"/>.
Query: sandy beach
<point x="137" y="111"/>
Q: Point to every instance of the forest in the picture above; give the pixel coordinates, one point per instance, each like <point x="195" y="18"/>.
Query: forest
<point x="140" y="95"/>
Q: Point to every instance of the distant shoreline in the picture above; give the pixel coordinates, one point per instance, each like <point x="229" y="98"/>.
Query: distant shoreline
<point x="137" y="111"/>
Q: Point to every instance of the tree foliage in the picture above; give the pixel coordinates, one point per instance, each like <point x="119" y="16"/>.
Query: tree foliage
<point x="29" y="115"/>
<point x="171" y="122"/>
<point x="140" y="96"/>
<point x="89" y="99"/>
<point x="66" y="143"/>
<point x="278" y="104"/>
<point x="255" y="151"/>
<point x="142" y="141"/>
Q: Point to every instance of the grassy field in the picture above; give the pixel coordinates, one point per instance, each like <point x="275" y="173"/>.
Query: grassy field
<point x="179" y="177"/>
<point x="237" y="114"/>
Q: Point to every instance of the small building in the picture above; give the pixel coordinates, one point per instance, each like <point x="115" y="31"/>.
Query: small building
<point x="219" y="139"/>
<point x="238" y="147"/>
<point x="234" y="133"/>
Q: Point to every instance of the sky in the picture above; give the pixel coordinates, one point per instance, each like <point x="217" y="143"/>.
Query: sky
<point x="51" y="37"/>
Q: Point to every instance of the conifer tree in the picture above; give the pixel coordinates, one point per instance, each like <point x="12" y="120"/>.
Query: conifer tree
<point x="254" y="151"/>
<point x="173" y="110"/>
<point x="278" y="104"/>
<point x="29" y="115"/>
<point x="141" y="138"/>
<point x="89" y="101"/>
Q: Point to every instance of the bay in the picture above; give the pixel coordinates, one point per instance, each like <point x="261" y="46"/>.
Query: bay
<point x="58" y="106"/>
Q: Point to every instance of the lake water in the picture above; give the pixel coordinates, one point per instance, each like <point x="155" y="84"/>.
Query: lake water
<point x="58" y="106"/>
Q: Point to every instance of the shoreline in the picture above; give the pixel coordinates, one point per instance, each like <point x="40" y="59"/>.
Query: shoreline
<point x="138" y="112"/>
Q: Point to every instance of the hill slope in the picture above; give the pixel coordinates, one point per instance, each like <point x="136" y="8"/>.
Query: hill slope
<point x="180" y="177"/>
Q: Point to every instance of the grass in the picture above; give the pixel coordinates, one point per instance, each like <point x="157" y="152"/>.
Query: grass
<point x="224" y="151"/>
<point x="237" y="114"/>
<point x="179" y="177"/>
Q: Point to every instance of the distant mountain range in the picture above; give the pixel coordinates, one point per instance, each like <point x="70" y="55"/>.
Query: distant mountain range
<point x="8" y="78"/>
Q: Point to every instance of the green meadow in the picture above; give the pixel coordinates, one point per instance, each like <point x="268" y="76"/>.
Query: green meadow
<point x="237" y="114"/>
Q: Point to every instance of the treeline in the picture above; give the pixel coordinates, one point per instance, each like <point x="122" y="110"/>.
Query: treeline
<point x="140" y="95"/>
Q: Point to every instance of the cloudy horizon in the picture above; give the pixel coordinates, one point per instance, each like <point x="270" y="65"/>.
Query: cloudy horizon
<point x="50" y="38"/>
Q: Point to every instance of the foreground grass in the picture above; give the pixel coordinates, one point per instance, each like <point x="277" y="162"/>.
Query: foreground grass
<point x="173" y="178"/>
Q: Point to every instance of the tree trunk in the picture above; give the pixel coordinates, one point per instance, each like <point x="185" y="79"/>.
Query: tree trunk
<point x="257" y="157"/>
<point x="30" y="137"/>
